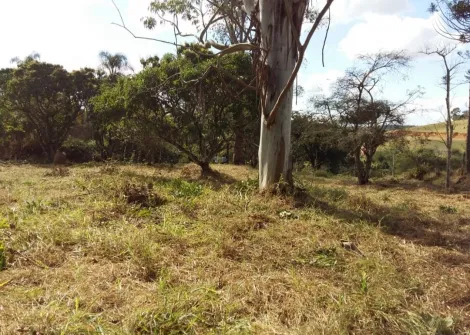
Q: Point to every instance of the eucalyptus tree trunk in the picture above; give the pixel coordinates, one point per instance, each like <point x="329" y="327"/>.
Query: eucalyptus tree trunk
<point x="277" y="39"/>
<point x="449" y="131"/>
<point x="468" y="135"/>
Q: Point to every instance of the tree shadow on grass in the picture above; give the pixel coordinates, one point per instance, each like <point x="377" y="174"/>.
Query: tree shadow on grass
<point x="213" y="179"/>
<point x="459" y="185"/>
<point x="407" y="223"/>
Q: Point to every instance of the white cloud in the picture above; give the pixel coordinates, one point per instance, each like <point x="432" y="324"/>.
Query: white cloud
<point x="389" y="32"/>
<point x="344" y="11"/>
<point x="72" y="33"/>
<point x="315" y="84"/>
<point x="431" y="109"/>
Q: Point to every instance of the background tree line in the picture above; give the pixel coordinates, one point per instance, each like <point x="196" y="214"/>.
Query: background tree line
<point x="190" y="106"/>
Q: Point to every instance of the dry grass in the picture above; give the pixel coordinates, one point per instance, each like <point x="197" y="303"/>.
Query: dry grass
<point x="217" y="258"/>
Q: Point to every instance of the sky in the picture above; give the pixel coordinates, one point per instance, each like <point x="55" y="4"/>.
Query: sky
<point x="73" y="32"/>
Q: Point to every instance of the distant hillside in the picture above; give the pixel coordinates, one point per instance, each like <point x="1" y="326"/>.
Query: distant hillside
<point x="460" y="128"/>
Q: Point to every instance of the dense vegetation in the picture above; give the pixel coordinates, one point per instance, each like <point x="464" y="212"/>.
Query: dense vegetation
<point x="188" y="107"/>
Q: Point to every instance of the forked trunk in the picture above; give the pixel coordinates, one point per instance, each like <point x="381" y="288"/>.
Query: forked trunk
<point x="277" y="39"/>
<point x="206" y="169"/>
<point x="362" y="170"/>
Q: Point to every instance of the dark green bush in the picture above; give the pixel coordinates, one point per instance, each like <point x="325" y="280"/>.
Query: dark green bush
<point x="79" y="151"/>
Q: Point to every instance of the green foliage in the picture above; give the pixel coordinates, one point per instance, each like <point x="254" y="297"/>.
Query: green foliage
<point x="49" y="98"/>
<point x="114" y="64"/>
<point x="245" y="187"/>
<point x="321" y="258"/>
<point x="364" y="282"/>
<point x="79" y="151"/>
<point x="447" y="209"/>
<point x="317" y="142"/>
<point x="185" y="189"/>
<point x="186" y="101"/>
<point x="365" y="120"/>
<point x="4" y="223"/>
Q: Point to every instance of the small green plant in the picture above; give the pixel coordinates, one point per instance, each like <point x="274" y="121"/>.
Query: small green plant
<point x="4" y="223"/>
<point x="245" y="187"/>
<point x="288" y="215"/>
<point x="321" y="258"/>
<point x="364" y="282"/>
<point x="325" y="258"/>
<point x="447" y="209"/>
<point x="186" y="189"/>
<point x="35" y="206"/>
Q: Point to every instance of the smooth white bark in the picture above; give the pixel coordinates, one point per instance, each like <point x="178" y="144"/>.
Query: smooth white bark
<point x="275" y="144"/>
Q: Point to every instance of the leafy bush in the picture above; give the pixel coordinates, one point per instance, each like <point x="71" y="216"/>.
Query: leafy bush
<point x="244" y="187"/>
<point x="447" y="209"/>
<point x="185" y="189"/>
<point x="79" y="151"/>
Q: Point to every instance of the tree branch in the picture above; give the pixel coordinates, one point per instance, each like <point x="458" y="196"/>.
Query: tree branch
<point x="272" y="115"/>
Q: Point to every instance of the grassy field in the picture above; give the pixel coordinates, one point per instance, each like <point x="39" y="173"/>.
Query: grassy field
<point x="88" y="253"/>
<point x="460" y="126"/>
<point x="437" y="144"/>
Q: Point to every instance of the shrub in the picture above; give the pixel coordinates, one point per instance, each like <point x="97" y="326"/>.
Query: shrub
<point x="245" y="187"/>
<point x="447" y="209"/>
<point x="79" y="151"/>
<point x="185" y="189"/>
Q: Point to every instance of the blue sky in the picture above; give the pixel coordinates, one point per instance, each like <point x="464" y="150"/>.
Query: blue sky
<point x="73" y="32"/>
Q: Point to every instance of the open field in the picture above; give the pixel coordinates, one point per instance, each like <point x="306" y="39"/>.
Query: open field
<point x="436" y="143"/>
<point x="436" y="134"/>
<point x="86" y="254"/>
<point x="460" y="127"/>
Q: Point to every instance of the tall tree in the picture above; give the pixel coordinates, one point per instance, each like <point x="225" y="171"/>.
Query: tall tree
<point x="276" y="46"/>
<point x="455" y="25"/>
<point x="114" y="64"/>
<point x="454" y="18"/>
<point x="448" y="82"/>
<point x="184" y="101"/>
<point x="354" y="105"/>
<point x="34" y="56"/>
<point x="49" y="98"/>
<point x="318" y="141"/>
<point x="467" y="147"/>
